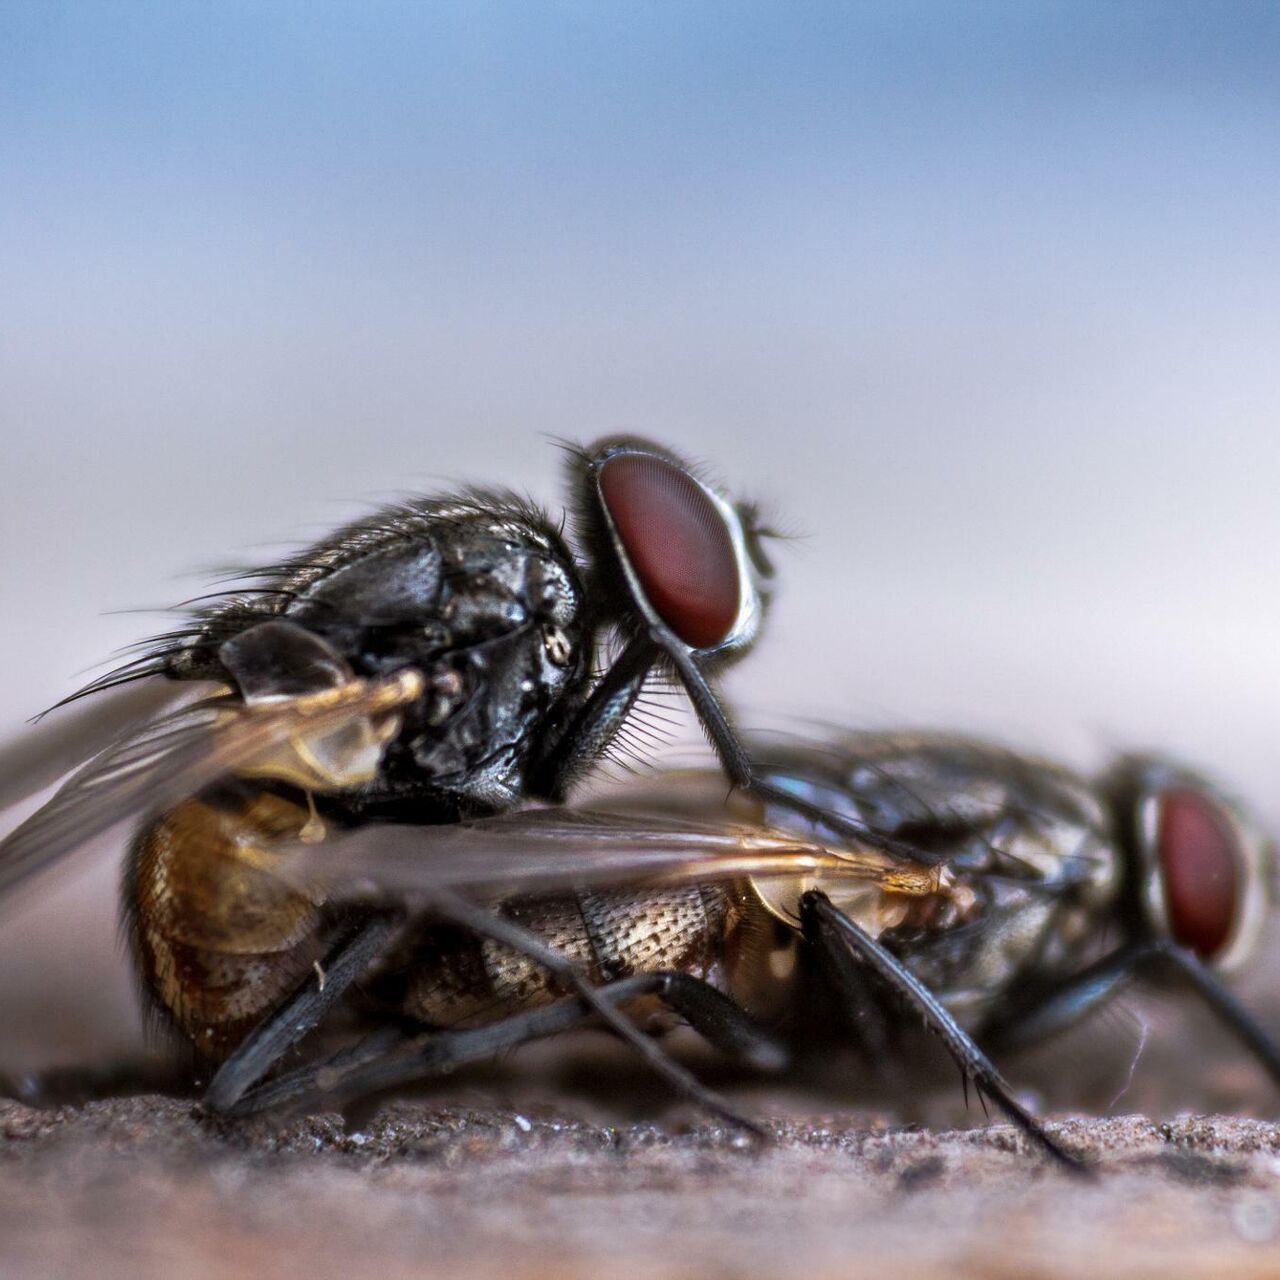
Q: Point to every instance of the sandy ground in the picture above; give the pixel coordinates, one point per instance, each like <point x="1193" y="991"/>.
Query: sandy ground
<point x="564" y="1161"/>
<point x="141" y="1187"/>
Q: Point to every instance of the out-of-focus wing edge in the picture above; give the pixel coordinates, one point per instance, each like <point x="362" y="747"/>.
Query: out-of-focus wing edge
<point x="169" y="758"/>
<point x="66" y="737"/>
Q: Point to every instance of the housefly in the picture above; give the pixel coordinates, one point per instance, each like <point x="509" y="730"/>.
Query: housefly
<point x="1039" y="894"/>
<point x="443" y="659"/>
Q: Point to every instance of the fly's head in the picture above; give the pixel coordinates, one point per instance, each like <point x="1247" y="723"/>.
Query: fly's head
<point x="1200" y="868"/>
<point x="669" y="552"/>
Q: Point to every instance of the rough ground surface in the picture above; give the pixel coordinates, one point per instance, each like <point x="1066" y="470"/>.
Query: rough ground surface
<point x="143" y="1187"/>
<point x="565" y="1161"/>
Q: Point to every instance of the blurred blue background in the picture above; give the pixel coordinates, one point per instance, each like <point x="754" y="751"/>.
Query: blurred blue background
<point x="983" y="298"/>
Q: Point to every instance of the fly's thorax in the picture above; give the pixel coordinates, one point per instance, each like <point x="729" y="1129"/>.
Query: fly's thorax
<point x="975" y="951"/>
<point x="506" y="654"/>
<point x="218" y="937"/>
<point x="972" y="805"/>
<point x="479" y="594"/>
<point x="375" y="584"/>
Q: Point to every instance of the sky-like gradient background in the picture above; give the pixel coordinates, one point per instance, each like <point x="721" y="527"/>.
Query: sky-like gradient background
<point x="984" y="298"/>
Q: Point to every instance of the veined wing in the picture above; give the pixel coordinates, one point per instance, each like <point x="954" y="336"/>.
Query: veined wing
<point x="177" y="754"/>
<point x="558" y="850"/>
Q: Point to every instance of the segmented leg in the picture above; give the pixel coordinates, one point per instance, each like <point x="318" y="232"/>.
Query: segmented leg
<point x="395" y="1057"/>
<point x="280" y="1031"/>
<point x="840" y="939"/>
<point x="457" y="910"/>
<point x="1083" y="993"/>
<point x="610" y="703"/>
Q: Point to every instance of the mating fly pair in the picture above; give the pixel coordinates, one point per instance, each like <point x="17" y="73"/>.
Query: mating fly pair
<point x="434" y="662"/>
<point x="341" y="812"/>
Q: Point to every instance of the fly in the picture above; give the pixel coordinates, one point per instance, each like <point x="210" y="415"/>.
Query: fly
<point x="441" y="660"/>
<point x="1043" y="894"/>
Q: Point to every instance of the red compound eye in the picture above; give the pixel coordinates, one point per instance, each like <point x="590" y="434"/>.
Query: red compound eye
<point x="678" y="544"/>
<point x="1200" y="862"/>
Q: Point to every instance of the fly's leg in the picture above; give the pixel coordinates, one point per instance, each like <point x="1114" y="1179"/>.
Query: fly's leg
<point x="1087" y="991"/>
<point x="720" y="1021"/>
<point x="597" y="721"/>
<point x="874" y="1038"/>
<point x="456" y="910"/>
<point x="276" y="1032"/>
<point x="280" y="1031"/>
<point x="611" y="702"/>
<point x="394" y="1057"/>
<point x="741" y="770"/>
<point x="845" y="946"/>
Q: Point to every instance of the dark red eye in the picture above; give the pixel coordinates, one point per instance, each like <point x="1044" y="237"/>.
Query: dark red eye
<point x="678" y="544"/>
<point x="1200" y="862"/>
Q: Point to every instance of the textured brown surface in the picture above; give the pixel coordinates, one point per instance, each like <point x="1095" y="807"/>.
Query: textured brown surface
<point x="140" y="1187"/>
<point x="566" y="1161"/>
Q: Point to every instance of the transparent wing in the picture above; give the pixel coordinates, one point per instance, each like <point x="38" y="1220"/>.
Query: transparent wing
<point x="177" y="754"/>
<point x="66" y="737"/>
<point x="555" y="850"/>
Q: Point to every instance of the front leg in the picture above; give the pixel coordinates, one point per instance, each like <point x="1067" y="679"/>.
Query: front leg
<point x="611" y="702"/>
<point x="349" y="961"/>
<point x="840" y="940"/>
<point x="596" y="723"/>
<point x="392" y="1057"/>
<point x="1059" y="1006"/>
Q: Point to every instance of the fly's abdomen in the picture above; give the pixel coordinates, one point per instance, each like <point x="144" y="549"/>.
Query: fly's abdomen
<point x="455" y="979"/>
<point x="219" y="940"/>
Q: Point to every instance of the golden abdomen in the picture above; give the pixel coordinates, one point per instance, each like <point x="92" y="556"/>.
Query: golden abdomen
<point x="219" y="939"/>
